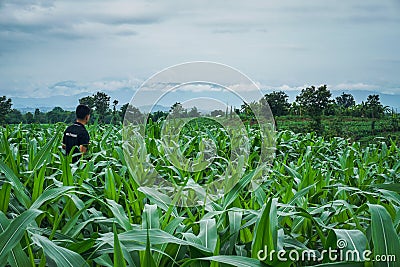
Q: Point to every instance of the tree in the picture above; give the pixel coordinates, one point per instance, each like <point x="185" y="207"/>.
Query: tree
<point x="155" y="116"/>
<point x="278" y="103"/>
<point x="374" y="107"/>
<point x="217" y="112"/>
<point x="57" y="114"/>
<point x="132" y="114"/>
<point x="14" y="117"/>
<point x="102" y="104"/>
<point x="314" y="101"/>
<point x="88" y="101"/>
<point x="359" y="110"/>
<point x="345" y="101"/>
<point x="29" y="118"/>
<point x="245" y="109"/>
<point x="177" y="111"/>
<point x="122" y="111"/>
<point x="38" y="117"/>
<point x="331" y="109"/>
<point x="295" y="109"/>
<point x="193" y="113"/>
<point x="115" y="103"/>
<point x="5" y="108"/>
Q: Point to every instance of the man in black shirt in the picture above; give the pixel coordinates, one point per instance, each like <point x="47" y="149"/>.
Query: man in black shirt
<point x="76" y="136"/>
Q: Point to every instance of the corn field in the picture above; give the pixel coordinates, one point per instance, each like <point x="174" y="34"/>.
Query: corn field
<point x="315" y="193"/>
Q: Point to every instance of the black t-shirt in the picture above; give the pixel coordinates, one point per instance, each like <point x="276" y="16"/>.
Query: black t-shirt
<point x="74" y="136"/>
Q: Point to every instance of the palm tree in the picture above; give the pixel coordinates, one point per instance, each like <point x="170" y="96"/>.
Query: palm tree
<point x="115" y="103"/>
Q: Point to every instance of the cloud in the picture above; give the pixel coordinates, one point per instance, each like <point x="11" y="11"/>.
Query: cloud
<point x="197" y="88"/>
<point x="391" y="91"/>
<point x="284" y="88"/>
<point x="336" y="87"/>
<point x="126" y="32"/>
<point x="70" y="88"/>
<point x="353" y="86"/>
<point x="64" y="19"/>
<point x="68" y="84"/>
<point x="113" y="85"/>
<point x="230" y="31"/>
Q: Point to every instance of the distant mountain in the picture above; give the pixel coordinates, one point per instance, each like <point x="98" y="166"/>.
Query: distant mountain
<point x="124" y="95"/>
<point x="154" y="108"/>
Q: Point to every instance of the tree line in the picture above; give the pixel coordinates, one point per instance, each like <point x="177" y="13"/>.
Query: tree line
<point x="315" y="102"/>
<point x="312" y="101"/>
<point x="98" y="102"/>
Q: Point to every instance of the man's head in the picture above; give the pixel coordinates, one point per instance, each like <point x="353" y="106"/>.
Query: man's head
<point x="83" y="113"/>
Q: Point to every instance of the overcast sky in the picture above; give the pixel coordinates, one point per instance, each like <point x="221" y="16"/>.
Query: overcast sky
<point x="67" y="47"/>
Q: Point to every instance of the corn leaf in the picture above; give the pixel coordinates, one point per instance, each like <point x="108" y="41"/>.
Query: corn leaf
<point x="384" y="237"/>
<point x="12" y="235"/>
<point x="61" y="256"/>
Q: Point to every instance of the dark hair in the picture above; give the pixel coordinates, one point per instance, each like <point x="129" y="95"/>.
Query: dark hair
<point x="82" y="111"/>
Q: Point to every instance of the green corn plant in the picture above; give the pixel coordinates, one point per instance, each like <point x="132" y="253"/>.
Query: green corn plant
<point x="98" y="213"/>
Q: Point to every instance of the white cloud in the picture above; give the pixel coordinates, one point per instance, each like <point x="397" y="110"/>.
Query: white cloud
<point x="354" y="86"/>
<point x="245" y="87"/>
<point x="113" y="85"/>
<point x="67" y="19"/>
<point x="197" y="88"/>
<point x="286" y="87"/>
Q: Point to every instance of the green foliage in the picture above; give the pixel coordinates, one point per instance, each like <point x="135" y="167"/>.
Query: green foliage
<point x="93" y="213"/>
<point x="345" y="101"/>
<point x="217" y="112"/>
<point x="314" y="100"/>
<point x="14" y="117"/>
<point x="5" y="108"/>
<point x="29" y="118"/>
<point x="384" y="236"/>
<point x="374" y="107"/>
<point x="88" y="101"/>
<point x="14" y="231"/>
<point x="100" y="102"/>
<point x="278" y="102"/>
<point x="57" y="114"/>
<point x="178" y="111"/>
<point x="193" y="113"/>
<point x="266" y="230"/>
<point x="132" y="114"/>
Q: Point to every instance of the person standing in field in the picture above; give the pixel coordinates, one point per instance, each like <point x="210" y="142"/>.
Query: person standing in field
<point x="76" y="136"/>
